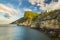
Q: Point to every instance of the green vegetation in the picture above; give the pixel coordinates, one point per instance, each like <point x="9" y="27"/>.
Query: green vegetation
<point x="27" y="15"/>
<point x="21" y="20"/>
<point x="30" y="15"/>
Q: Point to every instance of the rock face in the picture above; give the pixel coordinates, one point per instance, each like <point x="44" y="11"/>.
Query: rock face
<point x="25" y="23"/>
<point x="53" y="23"/>
<point x="44" y="20"/>
<point x="48" y="20"/>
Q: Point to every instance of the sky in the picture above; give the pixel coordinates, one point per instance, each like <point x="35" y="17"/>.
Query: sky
<point x="11" y="10"/>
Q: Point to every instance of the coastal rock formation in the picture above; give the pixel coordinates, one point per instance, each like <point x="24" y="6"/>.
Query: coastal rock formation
<point x="27" y="19"/>
<point x="49" y="19"/>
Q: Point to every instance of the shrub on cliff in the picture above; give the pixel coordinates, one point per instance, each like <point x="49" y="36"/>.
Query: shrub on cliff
<point x="30" y="15"/>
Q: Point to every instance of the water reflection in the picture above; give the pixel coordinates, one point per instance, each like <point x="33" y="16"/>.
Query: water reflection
<point x="11" y="32"/>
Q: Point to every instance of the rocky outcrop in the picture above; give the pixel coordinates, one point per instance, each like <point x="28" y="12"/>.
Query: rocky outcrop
<point x="44" y="20"/>
<point x="53" y="23"/>
<point x="27" y="19"/>
<point x="47" y="20"/>
<point x="25" y="23"/>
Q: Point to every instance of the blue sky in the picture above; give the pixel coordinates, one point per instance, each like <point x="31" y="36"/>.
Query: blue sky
<point x="28" y="5"/>
<point x="24" y="4"/>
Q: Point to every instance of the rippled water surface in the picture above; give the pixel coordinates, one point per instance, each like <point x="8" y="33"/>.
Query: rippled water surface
<point x="14" y="32"/>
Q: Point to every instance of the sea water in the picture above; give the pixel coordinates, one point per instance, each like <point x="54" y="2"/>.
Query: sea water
<point x="14" y="32"/>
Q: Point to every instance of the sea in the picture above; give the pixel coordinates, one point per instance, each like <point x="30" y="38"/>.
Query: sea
<point x="15" y="32"/>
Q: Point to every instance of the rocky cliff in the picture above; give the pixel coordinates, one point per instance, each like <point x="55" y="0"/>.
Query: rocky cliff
<point x="49" y="19"/>
<point x="27" y="19"/>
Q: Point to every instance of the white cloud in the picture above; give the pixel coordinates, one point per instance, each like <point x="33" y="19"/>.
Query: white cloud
<point x="27" y="9"/>
<point x="10" y="11"/>
<point x="36" y="1"/>
<point x="52" y="6"/>
<point x="4" y="20"/>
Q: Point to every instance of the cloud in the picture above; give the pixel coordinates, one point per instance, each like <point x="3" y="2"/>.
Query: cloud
<point x="8" y="10"/>
<point x="32" y="2"/>
<point x="4" y="20"/>
<point x="36" y="1"/>
<point x="27" y="9"/>
<point x="52" y="6"/>
<point x="45" y="6"/>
